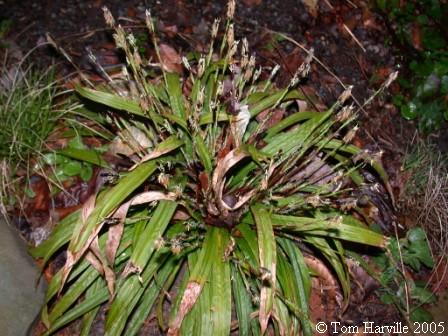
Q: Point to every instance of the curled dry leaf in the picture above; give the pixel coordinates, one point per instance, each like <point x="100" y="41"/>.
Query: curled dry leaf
<point x="251" y="3"/>
<point x="116" y="231"/>
<point x="218" y="179"/>
<point x="269" y="118"/>
<point x="312" y="6"/>
<point x="158" y="151"/>
<point x="326" y="292"/>
<point x="96" y="264"/>
<point x="107" y="271"/>
<point x="189" y="298"/>
<point x="169" y="58"/>
<point x="239" y="124"/>
<point x="130" y="141"/>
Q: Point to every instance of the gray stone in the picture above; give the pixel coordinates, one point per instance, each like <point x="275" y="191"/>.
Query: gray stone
<point x="20" y="298"/>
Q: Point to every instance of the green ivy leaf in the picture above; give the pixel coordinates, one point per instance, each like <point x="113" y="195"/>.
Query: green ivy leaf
<point x="86" y="172"/>
<point x="29" y="192"/>
<point x="52" y="158"/>
<point x="420" y="314"/>
<point x="72" y="168"/>
<point x="409" y="111"/>
<point x="76" y="143"/>
<point x="416" y="234"/>
<point x="387" y="298"/>
<point x="422" y="294"/>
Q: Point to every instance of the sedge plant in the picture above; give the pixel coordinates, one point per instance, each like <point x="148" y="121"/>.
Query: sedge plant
<point x="220" y="210"/>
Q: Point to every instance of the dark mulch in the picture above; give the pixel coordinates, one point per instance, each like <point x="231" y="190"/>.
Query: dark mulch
<point x="363" y="60"/>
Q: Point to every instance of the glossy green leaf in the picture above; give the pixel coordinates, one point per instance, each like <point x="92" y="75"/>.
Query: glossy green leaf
<point x="111" y="100"/>
<point x="268" y="259"/>
<point x="86" y="155"/>
<point x="145" y="246"/>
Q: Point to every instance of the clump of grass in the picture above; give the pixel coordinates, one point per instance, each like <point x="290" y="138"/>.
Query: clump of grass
<point x="26" y="111"/>
<point x="32" y="105"/>
<point x="425" y="197"/>
<point x="27" y="116"/>
<point x="229" y="203"/>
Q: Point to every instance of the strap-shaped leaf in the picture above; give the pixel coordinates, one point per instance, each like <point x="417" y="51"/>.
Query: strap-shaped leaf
<point x="175" y="95"/>
<point x="300" y="279"/>
<point x="146" y="244"/>
<point x="216" y="240"/>
<point x="86" y="155"/>
<point x="111" y="100"/>
<point x="268" y="260"/>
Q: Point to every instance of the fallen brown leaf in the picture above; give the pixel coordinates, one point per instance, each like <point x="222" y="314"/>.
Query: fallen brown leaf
<point x="170" y="59"/>
<point x="312" y="6"/>
<point x="252" y="3"/>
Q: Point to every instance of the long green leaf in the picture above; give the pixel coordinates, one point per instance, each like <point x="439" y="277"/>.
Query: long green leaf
<point x="329" y="228"/>
<point x="101" y="296"/>
<point x="131" y="289"/>
<point x="272" y="99"/>
<point x="203" y="153"/>
<point x="243" y="304"/>
<point x="145" y="246"/>
<point x="220" y="290"/>
<point x="336" y="261"/>
<point x="146" y="303"/>
<point x="215" y="241"/>
<point x="268" y="259"/>
<point x="111" y="200"/>
<point x="111" y="100"/>
<point x="58" y="238"/>
<point x="73" y="293"/>
<point x="175" y="95"/>
<point x="301" y="279"/>
<point x="289" y="121"/>
<point x="86" y="155"/>
<point x="89" y="317"/>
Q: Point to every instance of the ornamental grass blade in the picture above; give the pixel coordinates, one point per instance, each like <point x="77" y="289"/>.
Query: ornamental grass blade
<point x="116" y="230"/>
<point x="168" y="145"/>
<point x="146" y="244"/>
<point x="84" y="233"/>
<point x="216" y="240"/>
<point x="111" y="100"/>
<point x="144" y="307"/>
<point x="301" y="279"/>
<point x="268" y="258"/>
<point x="86" y="155"/>
<point x="176" y="97"/>
<point x="243" y="304"/>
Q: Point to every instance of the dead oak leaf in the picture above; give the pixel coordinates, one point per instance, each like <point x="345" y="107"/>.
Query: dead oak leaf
<point x="170" y="60"/>
<point x="312" y="6"/>
<point x="251" y="3"/>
